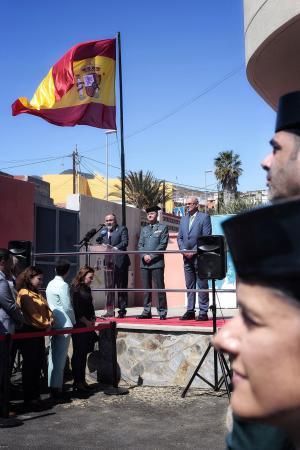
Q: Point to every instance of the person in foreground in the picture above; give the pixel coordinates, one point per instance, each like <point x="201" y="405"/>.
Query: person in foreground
<point x="153" y="236"/>
<point x="58" y="297"/>
<point x="85" y="317"/>
<point x="263" y="341"/>
<point x="282" y="166"/>
<point x="37" y="317"/>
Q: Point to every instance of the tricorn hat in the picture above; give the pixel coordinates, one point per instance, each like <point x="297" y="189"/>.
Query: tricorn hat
<point x="153" y="209"/>
<point x="265" y="243"/>
<point x="288" y="113"/>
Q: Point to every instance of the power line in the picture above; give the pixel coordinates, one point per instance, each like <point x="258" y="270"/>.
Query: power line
<point x="34" y="163"/>
<point x="182" y="106"/>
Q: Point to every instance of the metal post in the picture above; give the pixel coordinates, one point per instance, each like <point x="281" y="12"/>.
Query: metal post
<point x="122" y="135"/>
<point x="107" y="159"/>
<point x="205" y="172"/>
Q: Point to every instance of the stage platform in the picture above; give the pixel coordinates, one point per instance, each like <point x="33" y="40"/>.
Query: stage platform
<point x="158" y="352"/>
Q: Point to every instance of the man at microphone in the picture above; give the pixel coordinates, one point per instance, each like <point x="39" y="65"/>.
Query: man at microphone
<point x="116" y="265"/>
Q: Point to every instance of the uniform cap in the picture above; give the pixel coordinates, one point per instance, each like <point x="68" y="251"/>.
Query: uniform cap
<point x="153" y="209"/>
<point x="288" y="113"/>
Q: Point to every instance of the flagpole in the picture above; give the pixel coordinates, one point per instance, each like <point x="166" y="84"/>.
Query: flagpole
<point x="121" y="134"/>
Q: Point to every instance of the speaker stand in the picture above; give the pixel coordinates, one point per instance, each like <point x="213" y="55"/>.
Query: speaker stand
<point x="218" y="356"/>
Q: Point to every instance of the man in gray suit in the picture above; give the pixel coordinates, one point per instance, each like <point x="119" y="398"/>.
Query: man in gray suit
<point x="154" y="236"/>
<point x="192" y="226"/>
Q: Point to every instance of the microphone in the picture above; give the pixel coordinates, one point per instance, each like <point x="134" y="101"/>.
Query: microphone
<point x="88" y="236"/>
<point x="103" y="233"/>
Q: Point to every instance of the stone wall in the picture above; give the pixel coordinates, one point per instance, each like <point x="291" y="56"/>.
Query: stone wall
<point x="163" y="359"/>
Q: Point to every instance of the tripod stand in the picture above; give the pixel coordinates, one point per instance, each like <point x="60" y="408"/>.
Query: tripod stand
<point x="218" y="356"/>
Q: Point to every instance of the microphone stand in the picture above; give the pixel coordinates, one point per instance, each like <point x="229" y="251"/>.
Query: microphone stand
<point x="86" y="241"/>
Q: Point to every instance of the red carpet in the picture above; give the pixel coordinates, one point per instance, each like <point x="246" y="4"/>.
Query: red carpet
<point x="172" y="321"/>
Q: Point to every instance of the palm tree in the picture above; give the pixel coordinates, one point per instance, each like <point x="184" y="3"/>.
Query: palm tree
<point x="143" y="190"/>
<point x="228" y="168"/>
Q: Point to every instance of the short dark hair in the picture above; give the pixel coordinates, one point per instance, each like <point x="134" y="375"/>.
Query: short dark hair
<point x="62" y="266"/>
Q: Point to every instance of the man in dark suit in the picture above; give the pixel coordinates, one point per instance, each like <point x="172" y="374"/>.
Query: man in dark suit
<point x="154" y="236"/>
<point x="192" y="226"/>
<point x="116" y="265"/>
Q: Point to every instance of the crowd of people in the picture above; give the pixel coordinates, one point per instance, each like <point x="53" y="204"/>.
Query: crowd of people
<point x="262" y="340"/>
<point x="24" y="309"/>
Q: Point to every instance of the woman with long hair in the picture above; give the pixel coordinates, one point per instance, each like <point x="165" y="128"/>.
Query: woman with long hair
<point x="85" y="317"/>
<point x="37" y="317"/>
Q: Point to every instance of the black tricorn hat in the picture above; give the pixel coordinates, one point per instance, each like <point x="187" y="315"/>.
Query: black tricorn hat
<point x="152" y="209"/>
<point x="4" y="253"/>
<point x="288" y="113"/>
<point x="265" y="243"/>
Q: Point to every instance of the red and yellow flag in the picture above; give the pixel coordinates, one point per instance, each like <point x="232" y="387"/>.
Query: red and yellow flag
<point x="79" y="89"/>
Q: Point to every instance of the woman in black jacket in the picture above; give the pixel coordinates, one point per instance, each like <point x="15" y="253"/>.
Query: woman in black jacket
<point x="85" y="317"/>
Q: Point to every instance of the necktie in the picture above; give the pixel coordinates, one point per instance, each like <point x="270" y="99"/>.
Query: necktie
<point x="191" y="221"/>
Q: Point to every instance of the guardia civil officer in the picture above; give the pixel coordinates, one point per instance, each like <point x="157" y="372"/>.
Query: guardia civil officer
<point x="154" y="236"/>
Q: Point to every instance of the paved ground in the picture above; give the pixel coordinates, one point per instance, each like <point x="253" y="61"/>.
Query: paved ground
<point x="146" y="418"/>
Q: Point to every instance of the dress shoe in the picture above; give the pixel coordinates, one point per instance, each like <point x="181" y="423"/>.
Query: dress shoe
<point x="121" y="314"/>
<point x="189" y="315"/>
<point x="34" y="406"/>
<point x="89" y="387"/>
<point x="59" y="396"/>
<point x="80" y="388"/>
<point x="202" y="317"/>
<point x="109" y="314"/>
<point x="144" y="315"/>
<point x="163" y="317"/>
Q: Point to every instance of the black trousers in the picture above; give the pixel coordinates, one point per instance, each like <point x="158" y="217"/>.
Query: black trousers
<point x="33" y="354"/>
<point x="116" y="277"/>
<point x="81" y="348"/>
<point x="157" y="277"/>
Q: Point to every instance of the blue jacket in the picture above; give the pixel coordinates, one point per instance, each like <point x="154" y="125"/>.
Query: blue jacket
<point x="187" y="239"/>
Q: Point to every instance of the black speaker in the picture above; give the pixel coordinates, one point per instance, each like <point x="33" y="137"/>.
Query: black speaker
<point x="211" y="257"/>
<point x="22" y="251"/>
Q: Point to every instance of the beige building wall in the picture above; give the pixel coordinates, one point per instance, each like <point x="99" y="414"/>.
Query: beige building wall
<point x="272" y="46"/>
<point x="62" y="185"/>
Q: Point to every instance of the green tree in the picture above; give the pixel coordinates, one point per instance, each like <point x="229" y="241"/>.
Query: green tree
<point x="238" y="205"/>
<point x="228" y="168"/>
<point x="143" y="190"/>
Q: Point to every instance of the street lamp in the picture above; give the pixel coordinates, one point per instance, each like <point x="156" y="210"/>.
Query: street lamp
<point x="107" y="133"/>
<point x="205" y="172"/>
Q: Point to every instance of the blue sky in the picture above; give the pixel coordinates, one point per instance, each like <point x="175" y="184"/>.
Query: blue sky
<point x="172" y="53"/>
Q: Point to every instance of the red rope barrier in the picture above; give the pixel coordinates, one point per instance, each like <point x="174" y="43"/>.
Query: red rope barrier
<point x="28" y="335"/>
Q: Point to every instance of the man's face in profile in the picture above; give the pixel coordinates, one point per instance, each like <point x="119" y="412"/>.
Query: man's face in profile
<point x="283" y="166"/>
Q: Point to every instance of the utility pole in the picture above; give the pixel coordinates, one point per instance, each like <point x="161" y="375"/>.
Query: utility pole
<point x="164" y="195"/>
<point x="74" y="169"/>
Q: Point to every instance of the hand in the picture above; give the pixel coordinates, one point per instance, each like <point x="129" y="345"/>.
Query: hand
<point x="147" y="259"/>
<point x="188" y="255"/>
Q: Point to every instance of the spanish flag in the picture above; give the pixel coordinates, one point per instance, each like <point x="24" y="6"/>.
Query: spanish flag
<point x="79" y="89"/>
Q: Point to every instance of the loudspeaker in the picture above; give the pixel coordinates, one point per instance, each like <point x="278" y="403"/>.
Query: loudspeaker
<point x="211" y="257"/>
<point x="22" y="251"/>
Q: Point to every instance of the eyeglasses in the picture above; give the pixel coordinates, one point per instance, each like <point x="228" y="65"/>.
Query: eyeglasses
<point x="189" y="204"/>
